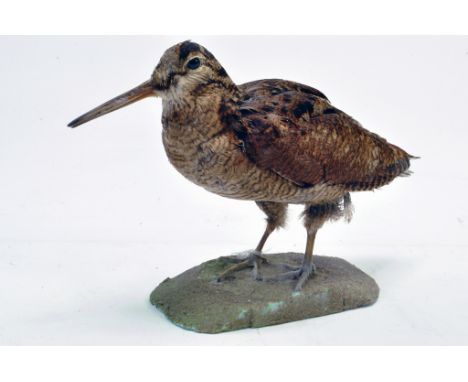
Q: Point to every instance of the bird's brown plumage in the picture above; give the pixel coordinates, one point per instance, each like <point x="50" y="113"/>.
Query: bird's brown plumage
<point x="293" y="130"/>
<point x="271" y="141"/>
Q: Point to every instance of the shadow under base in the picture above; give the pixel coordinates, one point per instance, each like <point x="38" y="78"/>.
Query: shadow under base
<point x="194" y="300"/>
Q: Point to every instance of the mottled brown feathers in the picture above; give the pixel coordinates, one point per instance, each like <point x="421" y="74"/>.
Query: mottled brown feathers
<point x="268" y="140"/>
<point x="303" y="138"/>
<point x="267" y="88"/>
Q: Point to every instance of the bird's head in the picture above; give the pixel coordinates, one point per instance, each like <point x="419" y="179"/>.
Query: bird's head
<point x="184" y="70"/>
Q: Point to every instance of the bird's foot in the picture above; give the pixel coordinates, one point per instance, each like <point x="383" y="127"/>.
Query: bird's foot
<point x="301" y="274"/>
<point x="247" y="259"/>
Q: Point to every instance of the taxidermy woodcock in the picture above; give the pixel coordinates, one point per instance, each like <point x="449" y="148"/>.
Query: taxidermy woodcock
<point x="270" y="141"/>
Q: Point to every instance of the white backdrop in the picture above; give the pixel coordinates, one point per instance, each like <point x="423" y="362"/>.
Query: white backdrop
<point x="92" y="219"/>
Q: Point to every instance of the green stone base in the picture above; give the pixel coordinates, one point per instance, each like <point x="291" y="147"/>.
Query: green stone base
<point x="194" y="300"/>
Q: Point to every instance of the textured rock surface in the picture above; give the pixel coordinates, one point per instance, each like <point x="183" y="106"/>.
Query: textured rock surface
<point x="194" y="300"/>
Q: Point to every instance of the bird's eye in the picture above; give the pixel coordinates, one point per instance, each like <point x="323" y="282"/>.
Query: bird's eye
<point x="194" y="63"/>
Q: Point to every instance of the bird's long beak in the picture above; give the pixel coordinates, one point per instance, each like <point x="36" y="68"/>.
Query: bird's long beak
<point x="142" y="91"/>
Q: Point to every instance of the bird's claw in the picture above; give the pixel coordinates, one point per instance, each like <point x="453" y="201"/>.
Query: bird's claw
<point x="301" y="274"/>
<point x="253" y="259"/>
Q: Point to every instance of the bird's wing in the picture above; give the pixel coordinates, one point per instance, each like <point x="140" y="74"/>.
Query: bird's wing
<point x="267" y="88"/>
<point x="306" y="140"/>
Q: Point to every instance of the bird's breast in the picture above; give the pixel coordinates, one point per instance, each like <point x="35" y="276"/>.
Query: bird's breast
<point x="211" y="163"/>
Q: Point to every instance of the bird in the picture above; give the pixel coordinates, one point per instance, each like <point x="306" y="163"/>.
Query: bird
<point x="275" y="142"/>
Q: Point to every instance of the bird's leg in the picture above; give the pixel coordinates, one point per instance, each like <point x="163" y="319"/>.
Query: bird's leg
<point x="308" y="267"/>
<point x="302" y="273"/>
<point x="276" y="216"/>
<point x="315" y="217"/>
<point x="253" y="258"/>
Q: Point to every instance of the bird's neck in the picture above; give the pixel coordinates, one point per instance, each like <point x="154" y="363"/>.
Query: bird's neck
<point x="196" y="115"/>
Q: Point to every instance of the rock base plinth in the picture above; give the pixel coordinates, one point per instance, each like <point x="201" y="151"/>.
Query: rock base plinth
<point x="194" y="300"/>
